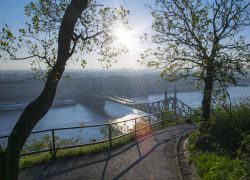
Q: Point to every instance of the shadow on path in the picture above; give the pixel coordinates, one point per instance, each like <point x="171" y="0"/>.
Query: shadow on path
<point x="144" y="158"/>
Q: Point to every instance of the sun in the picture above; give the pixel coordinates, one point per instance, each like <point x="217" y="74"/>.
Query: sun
<point x="124" y="36"/>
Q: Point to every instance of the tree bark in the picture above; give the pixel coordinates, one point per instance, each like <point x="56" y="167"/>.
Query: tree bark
<point x="206" y="101"/>
<point x="40" y="106"/>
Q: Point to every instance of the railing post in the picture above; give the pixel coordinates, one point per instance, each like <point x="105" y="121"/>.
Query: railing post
<point x="163" y="119"/>
<point x="53" y="144"/>
<point x="175" y="104"/>
<point x="135" y="127"/>
<point x="110" y="136"/>
<point x="176" y="116"/>
<point x="150" y="124"/>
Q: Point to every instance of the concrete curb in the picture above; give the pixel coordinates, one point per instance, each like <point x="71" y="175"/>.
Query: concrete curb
<point x="177" y="163"/>
<point x="177" y="151"/>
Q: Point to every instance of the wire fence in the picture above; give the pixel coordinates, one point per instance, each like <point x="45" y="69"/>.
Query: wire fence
<point x="52" y="140"/>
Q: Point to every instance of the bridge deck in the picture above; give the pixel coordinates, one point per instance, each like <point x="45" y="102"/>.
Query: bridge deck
<point x="168" y="104"/>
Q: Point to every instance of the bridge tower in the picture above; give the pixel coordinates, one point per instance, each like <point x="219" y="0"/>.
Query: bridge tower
<point x="175" y="92"/>
<point x="92" y="96"/>
<point x="166" y="92"/>
<point x="101" y="85"/>
<point x="94" y="87"/>
<point x="166" y="106"/>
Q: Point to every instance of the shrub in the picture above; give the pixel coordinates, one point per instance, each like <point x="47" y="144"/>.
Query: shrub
<point x="225" y="133"/>
<point x="241" y="115"/>
<point x="192" y="138"/>
<point x="215" y="151"/>
<point x="246" y="142"/>
<point x="225" y="136"/>
<point x="213" y="167"/>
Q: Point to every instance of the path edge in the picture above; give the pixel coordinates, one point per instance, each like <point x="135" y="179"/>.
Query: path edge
<point x="177" y="151"/>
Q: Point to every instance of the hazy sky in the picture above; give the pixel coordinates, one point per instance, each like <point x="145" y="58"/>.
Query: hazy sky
<point x="12" y="13"/>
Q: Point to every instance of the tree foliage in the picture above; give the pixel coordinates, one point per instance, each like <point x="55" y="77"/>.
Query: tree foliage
<point x="200" y="40"/>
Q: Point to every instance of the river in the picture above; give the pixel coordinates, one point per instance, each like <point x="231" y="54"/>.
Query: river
<point x="79" y="114"/>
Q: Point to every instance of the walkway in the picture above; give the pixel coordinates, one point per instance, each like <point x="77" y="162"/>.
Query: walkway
<point x="152" y="157"/>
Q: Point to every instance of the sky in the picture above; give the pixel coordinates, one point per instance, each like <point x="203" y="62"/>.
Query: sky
<point x="140" y="19"/>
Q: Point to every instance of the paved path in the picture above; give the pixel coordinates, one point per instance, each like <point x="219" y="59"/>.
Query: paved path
<point x="152" y="157"/>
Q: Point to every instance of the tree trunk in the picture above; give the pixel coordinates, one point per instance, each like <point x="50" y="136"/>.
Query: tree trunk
<point x="206" y="101"/>
<point x="40" y="106"/>
<point x="2" y="164"/>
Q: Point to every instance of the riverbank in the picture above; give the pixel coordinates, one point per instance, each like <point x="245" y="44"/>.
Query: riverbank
<point x="20" y="105"/>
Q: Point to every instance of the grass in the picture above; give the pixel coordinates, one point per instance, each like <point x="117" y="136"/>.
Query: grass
<point x="30" y="160"/>
<point x="211" y="166"/>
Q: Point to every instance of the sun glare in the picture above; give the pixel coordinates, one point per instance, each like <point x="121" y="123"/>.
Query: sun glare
<point x="124" y="36"/>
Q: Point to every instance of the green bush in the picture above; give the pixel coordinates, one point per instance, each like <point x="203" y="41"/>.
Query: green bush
<point x="222" y="151"/>
<point x="225" y="133"/>
<point x="245" y="147"/>
<point x="37" y="145"/>
<point x="213" y="167"/>
<point x="241" y="115"/>
<point x="192" y="138"/>
<point x="196" y="116"/>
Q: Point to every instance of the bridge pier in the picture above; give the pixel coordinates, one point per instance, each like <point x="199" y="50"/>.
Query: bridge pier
<point x="91" y="97"/>
<point x="95" y="103"/>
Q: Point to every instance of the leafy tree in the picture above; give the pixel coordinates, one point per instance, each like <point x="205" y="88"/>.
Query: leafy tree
<point x="202" y="41"/>
<point x="55" y="32"/>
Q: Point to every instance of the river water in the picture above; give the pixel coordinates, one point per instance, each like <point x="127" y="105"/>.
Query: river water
<point x="79" y="114"/>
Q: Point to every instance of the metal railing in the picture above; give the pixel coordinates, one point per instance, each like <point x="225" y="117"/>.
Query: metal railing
<point x="113" y="131"/>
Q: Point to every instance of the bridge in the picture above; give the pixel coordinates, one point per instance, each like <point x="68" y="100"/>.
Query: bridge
<point x="96" y="96"/>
